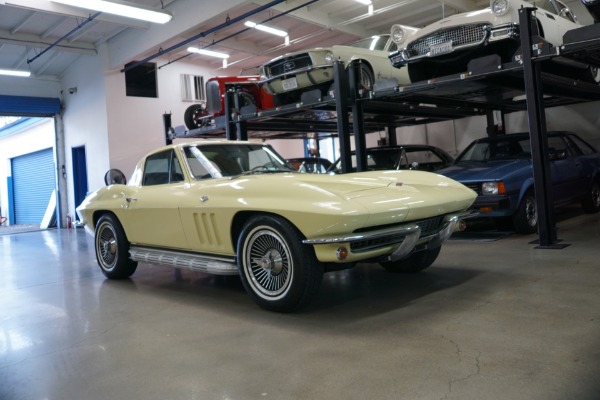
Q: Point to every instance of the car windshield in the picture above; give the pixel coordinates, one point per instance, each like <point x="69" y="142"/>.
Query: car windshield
<point x="398" y="158"/>
<point x="502" y="149"/>
<point x="227" y="160"/>
<point x="377" y="42"/>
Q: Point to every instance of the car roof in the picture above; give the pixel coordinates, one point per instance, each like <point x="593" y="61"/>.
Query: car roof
<point x="517" y="136"/>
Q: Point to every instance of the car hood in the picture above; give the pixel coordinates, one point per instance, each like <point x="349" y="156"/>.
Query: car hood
<point x="412" y="194"/>
<point x="338" y="50"/>
<point x="472" y="171"/>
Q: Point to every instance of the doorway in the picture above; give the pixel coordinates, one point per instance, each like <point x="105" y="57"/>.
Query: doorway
<point x="80" y="181"/>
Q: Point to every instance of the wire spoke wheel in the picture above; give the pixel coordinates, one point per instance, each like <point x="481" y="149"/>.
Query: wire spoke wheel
<point x="269" y="264"/>
<point x="112" y="249"/>
<point x="276" y="269"/>
<point x="106" y="246"/>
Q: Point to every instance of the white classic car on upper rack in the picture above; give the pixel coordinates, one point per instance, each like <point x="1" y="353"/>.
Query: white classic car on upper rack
<point x="445" y="47"/>
<point x="288" y="76"/>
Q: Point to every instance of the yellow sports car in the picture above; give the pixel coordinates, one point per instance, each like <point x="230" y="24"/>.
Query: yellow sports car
<point x="230" y="207"/>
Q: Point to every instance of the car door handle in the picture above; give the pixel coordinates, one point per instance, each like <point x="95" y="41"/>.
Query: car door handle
<point x="128" y="200"/>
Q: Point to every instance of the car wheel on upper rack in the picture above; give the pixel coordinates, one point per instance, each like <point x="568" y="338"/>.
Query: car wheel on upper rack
<point x="192" y="115"/>
<point x="366" y="78"/>
<point x="112" y="248"/>
<point x="277" y="270"/>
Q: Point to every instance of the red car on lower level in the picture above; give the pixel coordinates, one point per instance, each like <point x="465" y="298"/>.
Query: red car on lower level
<point x="250" y="93"/>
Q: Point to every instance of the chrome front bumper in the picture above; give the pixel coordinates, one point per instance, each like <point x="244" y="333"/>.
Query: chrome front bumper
<point x="489" y="34"/>
<point x="406" y="237"/>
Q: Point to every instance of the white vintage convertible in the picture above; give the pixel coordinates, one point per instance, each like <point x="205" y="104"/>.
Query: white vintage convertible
<point x="238" y="208"/>
<point x="288" y="76"/>
<point x="445" y="47"/>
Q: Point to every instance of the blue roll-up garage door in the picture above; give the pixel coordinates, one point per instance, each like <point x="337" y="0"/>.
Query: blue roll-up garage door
<point x="29" y="106"/>
<point x="33" y="182"/>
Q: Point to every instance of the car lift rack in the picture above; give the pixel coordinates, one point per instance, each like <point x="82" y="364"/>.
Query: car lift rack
<point x="487" y="86"/>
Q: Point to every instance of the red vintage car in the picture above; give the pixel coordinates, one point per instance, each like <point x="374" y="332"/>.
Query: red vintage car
<point x="250" y="93"/>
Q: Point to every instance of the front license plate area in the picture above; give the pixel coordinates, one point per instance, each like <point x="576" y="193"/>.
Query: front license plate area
<point x="441" y="48"/>
<point x="289" y="84"/>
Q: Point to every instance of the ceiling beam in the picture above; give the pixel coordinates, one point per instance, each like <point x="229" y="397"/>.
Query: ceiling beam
<point x="23" y="39"/>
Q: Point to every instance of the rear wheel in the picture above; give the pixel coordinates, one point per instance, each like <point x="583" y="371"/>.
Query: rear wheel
<point x="525" y="219"/>
<point x="112" y="249"/>
<point x="277" y="270"/>
<point x="416" y="262"/>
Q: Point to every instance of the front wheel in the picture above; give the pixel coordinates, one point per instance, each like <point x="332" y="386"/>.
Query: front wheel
<point x="416" y="262"/>
<point x="525" y="219"/>
<point x="277" y="270"/>
<point x="591" y="201"/>
<point x="593" y="74"/>
<point x="366" y="78"/>
<point x="112" y="249"/>
<point x="193" y="117"/>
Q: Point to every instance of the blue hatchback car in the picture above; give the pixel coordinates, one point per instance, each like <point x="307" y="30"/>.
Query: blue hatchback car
<point x="500" y="170"/>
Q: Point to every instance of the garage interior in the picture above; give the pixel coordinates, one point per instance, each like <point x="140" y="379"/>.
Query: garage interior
<point x="497" y="316"/>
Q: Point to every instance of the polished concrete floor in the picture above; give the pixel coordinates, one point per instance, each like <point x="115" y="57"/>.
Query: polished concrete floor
<point x="489" y="320"/>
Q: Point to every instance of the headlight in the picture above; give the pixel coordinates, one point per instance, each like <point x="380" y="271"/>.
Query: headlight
<point x="261" y="73"/>
<point x="492" y="188"/>
<point x="329" y="57"/>
<point x="397" y="34"/>
<point x="499" y="7"/>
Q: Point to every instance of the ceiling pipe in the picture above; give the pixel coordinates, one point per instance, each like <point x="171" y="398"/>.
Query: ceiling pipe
<point x="89" y="19"/>
<point x="203" y="34"/>
<point x="244" y="30"/>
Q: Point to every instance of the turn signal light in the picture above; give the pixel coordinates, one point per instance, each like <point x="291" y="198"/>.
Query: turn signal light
<point x="342" y="253"/>
<point x="486" y="209"/>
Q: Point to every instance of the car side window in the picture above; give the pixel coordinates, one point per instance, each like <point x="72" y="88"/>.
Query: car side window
<point x="557" y="148"/>
<point x="582" y="146"/>
<point x="162" y="168"/>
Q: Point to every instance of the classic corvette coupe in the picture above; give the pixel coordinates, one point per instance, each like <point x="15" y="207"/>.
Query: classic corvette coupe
<point x="238" y="208"/>
<point x="288" y="76"/>
<point x="446" y="46"/>
<point x="499" y="169"/>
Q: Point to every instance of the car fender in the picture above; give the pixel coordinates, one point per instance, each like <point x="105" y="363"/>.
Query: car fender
<point x="527" y="184"/>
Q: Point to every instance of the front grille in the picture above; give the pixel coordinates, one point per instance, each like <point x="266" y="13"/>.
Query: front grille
<point x="288" y="64"/>
<point x="459" y="35"/>
<point x="428" y="227"/>
<point x="473" y="186"/>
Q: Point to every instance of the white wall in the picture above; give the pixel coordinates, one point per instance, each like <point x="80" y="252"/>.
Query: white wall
<point x="85" y="120"/>
<point x="35" y="87"/>
<point x="135" y="124"/>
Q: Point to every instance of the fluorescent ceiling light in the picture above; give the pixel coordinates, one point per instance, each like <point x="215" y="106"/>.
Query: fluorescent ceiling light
<point x="14" y="72"/>
<point x="365" y="2"/>
<point x="208" y="52"/>
<point x="264" y="28"/>
<point x="122" y="8"/>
